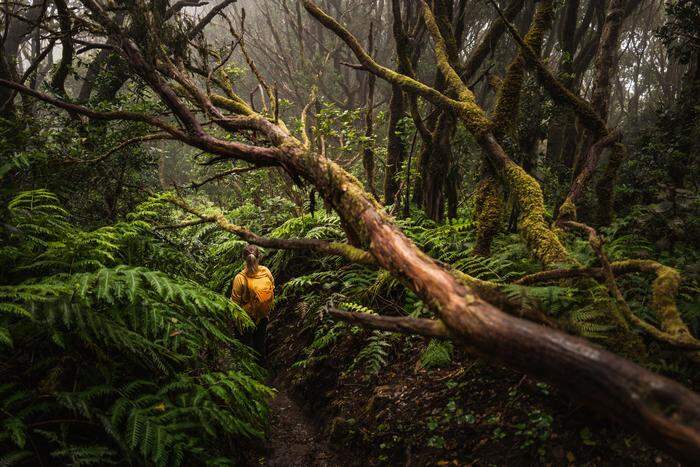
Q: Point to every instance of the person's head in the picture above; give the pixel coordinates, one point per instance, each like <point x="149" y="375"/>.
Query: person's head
<point x="251" y="256"/>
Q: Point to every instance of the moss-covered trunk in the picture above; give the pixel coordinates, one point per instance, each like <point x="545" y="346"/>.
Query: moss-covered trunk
<point x="488" y="210"/>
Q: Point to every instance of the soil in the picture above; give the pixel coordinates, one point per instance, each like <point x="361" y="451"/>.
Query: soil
<point x="294" y="439"/>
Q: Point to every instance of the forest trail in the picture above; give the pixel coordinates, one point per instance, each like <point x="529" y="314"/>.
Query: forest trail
<point x="294" y="439"/>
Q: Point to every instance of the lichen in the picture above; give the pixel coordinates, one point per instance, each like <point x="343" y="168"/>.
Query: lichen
<point x="488" y="210"/>
<point x="542" y="241"/>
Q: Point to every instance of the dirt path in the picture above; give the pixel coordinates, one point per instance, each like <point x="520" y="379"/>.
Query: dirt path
<point x="294" y="440"/>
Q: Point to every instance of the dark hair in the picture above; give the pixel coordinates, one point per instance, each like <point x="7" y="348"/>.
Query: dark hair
<point x="251" y="256"/>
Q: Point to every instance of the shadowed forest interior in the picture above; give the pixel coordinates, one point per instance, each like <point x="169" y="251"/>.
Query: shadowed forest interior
<point x="482" y="218"/>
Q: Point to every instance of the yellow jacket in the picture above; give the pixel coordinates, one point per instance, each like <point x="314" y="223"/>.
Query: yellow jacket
<point x="259" y="280"/>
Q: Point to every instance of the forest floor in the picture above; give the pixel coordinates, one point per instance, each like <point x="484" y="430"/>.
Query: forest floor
<point x="293" y="438"/>
<point x="470" y="412"/>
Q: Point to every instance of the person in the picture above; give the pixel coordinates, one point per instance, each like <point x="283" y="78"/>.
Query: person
<point x="253" y="289"/>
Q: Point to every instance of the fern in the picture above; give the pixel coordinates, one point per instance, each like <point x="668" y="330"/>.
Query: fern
<point x="115" y="362"/>
<point x="357" y="308"/>
<point x="437" y="354"/>
<point x="591" y="322"/>
<point x="375" y="354"/>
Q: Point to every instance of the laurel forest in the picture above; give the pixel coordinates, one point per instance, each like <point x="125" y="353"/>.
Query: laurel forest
<point x="481" y="218"/>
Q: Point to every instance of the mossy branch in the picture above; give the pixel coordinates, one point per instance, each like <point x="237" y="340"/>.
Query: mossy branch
<point x="488" y="211"/>
<point x="554" y="87"/>
<point x="540" y="238"/>
<point x="674" y="331"/>
<point x="469" y="112"/>
<point x="402" y="324"/>
<point x="473" y="114"/>
<point x="349" y="252"/>
<point x="508" y="95"/>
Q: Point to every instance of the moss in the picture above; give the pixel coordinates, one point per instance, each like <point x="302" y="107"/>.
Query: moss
<point x="355" y="255"/>
<point x="488" y="212"/>
<point x="663" y="293"/>
<point x="567" y="210"/>
<point x="469" y="112"/>
<point x="542" y="241"/>
<point x="508" y="96"/>
<point x="236" y="105"/>
<point x="664" y="290"/>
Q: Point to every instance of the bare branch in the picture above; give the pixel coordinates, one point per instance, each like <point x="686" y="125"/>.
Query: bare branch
<point x="238" y="170"/>
<point x="122" y="145"/>
<point x="207" y="19"/>
<point x="304" y="119"/>
<point x="115" y="115"/>
<point x="567" y="210"/>
<point x="402" y="324"/>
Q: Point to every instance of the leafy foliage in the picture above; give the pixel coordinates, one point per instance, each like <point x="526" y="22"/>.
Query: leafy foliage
<point x="108" y="361"/>
<point x="438" y="353"/>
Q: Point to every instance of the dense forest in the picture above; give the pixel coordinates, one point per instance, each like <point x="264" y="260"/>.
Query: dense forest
<point x="482" y="218"/>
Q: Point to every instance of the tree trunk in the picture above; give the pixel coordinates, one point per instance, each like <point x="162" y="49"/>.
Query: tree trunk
<point x="396" y="149"/>
<point x="488" y="210"/>
<point x="16" y="32"/>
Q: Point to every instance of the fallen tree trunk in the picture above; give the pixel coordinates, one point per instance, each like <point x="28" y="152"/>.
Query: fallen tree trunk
<point x="664" y="411"/>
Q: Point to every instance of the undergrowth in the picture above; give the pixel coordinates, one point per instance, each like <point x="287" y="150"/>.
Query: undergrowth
<point x="111" y="355"/>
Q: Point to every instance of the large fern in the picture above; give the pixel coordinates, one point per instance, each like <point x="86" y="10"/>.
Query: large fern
<point x="107" y="361"/>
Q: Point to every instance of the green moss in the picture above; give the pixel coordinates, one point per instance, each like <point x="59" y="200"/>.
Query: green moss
<point x="355" y="255"/>
<point x="542" y="241"/>
<point x="468" y="111"/>
<point x="508" y="96"/>
<point x="664" y="290"/>
<point x="567" y="210"/>
<point x="488" y="212"/>
<point x="236" y="105"/>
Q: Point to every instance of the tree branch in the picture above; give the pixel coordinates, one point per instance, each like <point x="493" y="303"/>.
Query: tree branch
<point x="679" y="335"/>
<point x="260" y="156"/>
<point x="321" y="246"/>
<point x="558" y="92"/>
<point x="403" y="324"/>
<point x="207" y="19"/>
<point x="122" y="145"/>
<point x="238" y="170"/>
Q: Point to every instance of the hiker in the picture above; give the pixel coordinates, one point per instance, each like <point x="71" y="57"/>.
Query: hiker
<point x="254" y="290"/>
